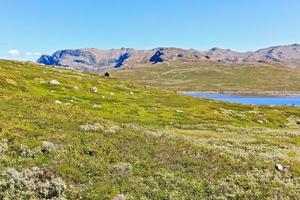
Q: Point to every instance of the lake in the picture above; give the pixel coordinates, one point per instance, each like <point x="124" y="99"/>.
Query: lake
<point x="249" y="99"/>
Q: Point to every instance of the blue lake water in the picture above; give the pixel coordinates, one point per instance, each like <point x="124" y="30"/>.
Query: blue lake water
<point x="250" y="99"/>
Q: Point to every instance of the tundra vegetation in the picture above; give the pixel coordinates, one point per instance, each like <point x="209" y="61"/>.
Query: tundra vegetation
<point x="139" y="142"/>
<point x="255" y="77"/>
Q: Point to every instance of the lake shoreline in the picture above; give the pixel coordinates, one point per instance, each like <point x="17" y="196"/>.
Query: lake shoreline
<point x="269" y="99"/>
<point x="270" y="94"/>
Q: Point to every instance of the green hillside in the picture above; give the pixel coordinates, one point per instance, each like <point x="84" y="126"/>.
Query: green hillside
<point x="213" y="76"/>
<point x="127" y="141"/>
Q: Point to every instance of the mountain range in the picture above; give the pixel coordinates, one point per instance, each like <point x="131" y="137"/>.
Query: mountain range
<point x="98" y="60"/>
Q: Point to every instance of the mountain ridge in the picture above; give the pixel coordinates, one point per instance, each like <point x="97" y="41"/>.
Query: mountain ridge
<point x="98" y="60"/>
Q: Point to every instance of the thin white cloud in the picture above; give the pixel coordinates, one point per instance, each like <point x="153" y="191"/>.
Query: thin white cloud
<point x="14" y="52"/>
<point x="29" y="53"/>
<point x="18" y="53"/>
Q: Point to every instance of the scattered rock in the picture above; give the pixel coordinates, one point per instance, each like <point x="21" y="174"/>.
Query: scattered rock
<point x="121" y="168"/>
<point x="112" y="130"/>
<point x="58" y="102"/>
<point x="112" y="94"/>
<point x="279" y="167"/>
<point x="97" y="106"/>
<point x="54" y="82"/>
<point x="98" y="127"/>
<point x="260" y="121"/>
<point x="120" y="197"/>
<point x="131" y="93"/>
<point x="91" y="127"/>
<point x="76" y="88"/>
<point x="179" y="111"/>
<point x="153" y="108"/>
<point x="47" y="147"/>
<point x="298" y="122"/>
<point x="94" y="89"/>
<point x="146" y="86"/>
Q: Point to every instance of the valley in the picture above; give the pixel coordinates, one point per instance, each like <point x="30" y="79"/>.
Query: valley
<point x="150" y="100"/>
<point x="205" y="76"/>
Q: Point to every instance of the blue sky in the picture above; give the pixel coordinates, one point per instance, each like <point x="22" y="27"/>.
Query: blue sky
<point x="32" y="27"/>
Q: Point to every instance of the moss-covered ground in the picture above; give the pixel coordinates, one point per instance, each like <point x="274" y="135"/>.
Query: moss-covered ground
<point x="138" y="142"/>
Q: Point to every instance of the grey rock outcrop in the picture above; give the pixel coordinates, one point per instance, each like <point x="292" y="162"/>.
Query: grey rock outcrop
<point x="158" y="56"/>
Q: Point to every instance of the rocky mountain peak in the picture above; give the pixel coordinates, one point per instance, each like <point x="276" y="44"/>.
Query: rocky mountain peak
<point x="98" y="60"/>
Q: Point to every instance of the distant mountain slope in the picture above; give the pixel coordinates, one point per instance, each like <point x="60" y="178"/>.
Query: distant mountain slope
<point x="97" y="60"/>
<point x="94" y="60"/>
<point x="215" y="76"/>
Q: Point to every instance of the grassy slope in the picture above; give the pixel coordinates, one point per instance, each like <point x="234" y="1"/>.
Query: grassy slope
<point x="179" y="147"/>
<point x="212" y="76"/>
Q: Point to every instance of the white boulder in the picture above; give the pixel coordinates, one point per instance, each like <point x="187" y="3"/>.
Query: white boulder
<point x="279" y="167"/>
<point x="94" y="89"/>
<point x="54" y="82"/>
<point x="57" y="102"/>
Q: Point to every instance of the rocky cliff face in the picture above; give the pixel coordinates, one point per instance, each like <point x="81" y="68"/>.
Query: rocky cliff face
<point x="97" y="60"/>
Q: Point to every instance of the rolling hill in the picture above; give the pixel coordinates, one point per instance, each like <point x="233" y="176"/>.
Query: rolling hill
<point x="262" y="77"/>
<point x="71" y="135"/>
